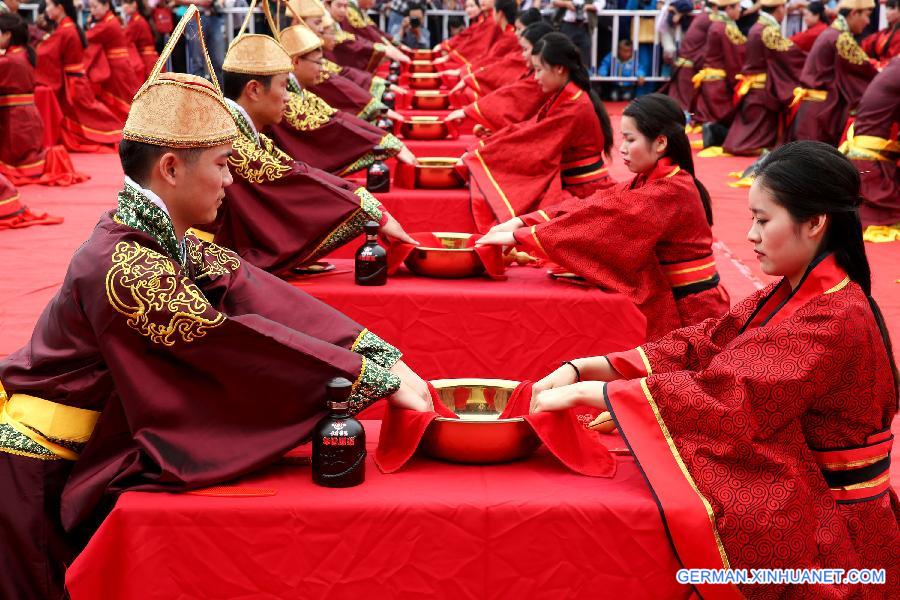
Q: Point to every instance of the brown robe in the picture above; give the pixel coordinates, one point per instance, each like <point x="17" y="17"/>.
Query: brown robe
<point x="759" y="119"/>
<point x="724" y="52"/>
<point x="837" y="66"/>
<point x="690" y="58"/>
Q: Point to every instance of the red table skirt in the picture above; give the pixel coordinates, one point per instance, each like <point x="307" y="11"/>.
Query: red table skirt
<point x="448" y="147"/>
<point x="51" y="114"/>
<point x="530" y="529"/>
<point x="520" y="328"/>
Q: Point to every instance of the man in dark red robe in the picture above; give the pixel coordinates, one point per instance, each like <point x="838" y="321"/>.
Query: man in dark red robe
<point x="690" y="59"/>
<point x="766" y="84"/>
<point x="145" y="371"/>
<point x="834" y="77"/>
<point x="873" y="147"/>
<point x="281" y="214"/>
<point x="317" y="134"/>
<point x="722" y="61"/>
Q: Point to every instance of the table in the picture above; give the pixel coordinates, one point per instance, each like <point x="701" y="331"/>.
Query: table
<point x="518" y="329"/>
<point x="433" y="530"/>
<point x="447" y="147"/>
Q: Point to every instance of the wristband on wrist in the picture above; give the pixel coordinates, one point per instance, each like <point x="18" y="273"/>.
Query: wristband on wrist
<point x="577" y="371"/>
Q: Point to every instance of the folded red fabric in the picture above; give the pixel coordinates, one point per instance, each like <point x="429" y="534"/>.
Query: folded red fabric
<point x="562" y="432"/>
<point x="491" y="256"/>
<point x="405" y="175"/>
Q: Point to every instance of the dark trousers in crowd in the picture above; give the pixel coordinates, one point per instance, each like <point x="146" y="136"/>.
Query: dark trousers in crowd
<point x="580" y="35"/>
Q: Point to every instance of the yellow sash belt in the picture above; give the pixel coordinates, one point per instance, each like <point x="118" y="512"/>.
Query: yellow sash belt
<point x="756" y="81"/>
<point x="869" y="147"/>
<point x="683" y="62"/>
<point x="46" y="423"/>
<point x="708" y="75"/>
<point x="801" y="94"/>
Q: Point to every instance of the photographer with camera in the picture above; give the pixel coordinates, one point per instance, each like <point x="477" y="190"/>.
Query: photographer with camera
<point x="413" y="33"/>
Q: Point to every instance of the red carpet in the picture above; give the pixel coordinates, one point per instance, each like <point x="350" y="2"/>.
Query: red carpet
<point x="33" y="260"/>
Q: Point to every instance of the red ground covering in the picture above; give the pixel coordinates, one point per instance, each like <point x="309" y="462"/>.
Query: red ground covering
<point x="33" y="260"/>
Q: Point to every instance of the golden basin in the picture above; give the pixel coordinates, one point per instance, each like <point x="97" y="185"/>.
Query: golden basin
<point x="424" y="128"/>
<point x="479" y="436"/>
<point x="452" y="260"/>
<point x="424" y="81"/>
<point x="417" y="55"/>
<point x="430" y="100"/>
<point x="438" y="173"/>
<point x="422" y="66"/>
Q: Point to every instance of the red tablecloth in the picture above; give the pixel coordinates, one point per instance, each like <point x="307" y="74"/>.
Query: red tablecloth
<point x="51" y="114"/>
<point x="446" y="147"/>
<point x="519" y="329"/>
<point x="525" y="530"/>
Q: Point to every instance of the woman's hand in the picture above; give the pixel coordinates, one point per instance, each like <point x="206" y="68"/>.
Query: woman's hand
<point x="584" y="393"/>
<point x="456" y="115"/>
<point x="497" y="238"/>
<point x="411" y="379"/>
<point x="481" y="131"/>
<point x="564" y="375"/>
<point x="508" y="226"/>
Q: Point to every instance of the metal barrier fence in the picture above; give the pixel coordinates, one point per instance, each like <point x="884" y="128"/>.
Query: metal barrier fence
<point x="615" y="20"/>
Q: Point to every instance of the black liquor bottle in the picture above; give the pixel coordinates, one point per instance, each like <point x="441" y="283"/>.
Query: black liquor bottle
<point x="384" y="122"/>
<point x="339" y="441"/>
<point x="389" y="99"/>
<point x="378" y="175"/>
<point x="394" y="73"/>
<point x="371" y="259"/>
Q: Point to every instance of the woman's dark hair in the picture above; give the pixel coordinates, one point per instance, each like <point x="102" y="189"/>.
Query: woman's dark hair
<point x="508" y="8"/>
<point x="812" y="178"/>
<point x="656" y="115"/>
<point x="141" y="7"/>
<point x="528" y="17"/>
<point x="71" y="12"/>
<point x="17" y="26"/>
<point x="534" y="32"/>
<point x="817" y="8"/>
<point x="556" y="49"/>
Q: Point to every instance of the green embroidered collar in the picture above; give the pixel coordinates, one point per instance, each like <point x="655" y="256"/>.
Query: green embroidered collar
<point x="769" y="19"/>
<point x="136" y="211"/>
<point x="840" y="23"/>
<point x="294" y="85"/>
<point x="242" y="121"/>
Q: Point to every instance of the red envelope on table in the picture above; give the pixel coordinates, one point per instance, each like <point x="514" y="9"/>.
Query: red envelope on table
<point x="562" y="433"/>
<point x="490" y="256"/>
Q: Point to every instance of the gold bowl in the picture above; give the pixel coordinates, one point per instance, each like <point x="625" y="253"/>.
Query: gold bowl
<point x="430" y="100"/>
<point x="452" y="260"/>
<point x="424" y="81"/>
<point x="426" y="55"/>
<point x="479" y="436"/>
<point x="424" y="128"/>
<point x="421" y="66"/>
<point x="438" y="173"/>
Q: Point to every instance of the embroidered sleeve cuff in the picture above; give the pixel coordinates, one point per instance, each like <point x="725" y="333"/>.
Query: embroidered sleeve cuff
<point x="374" y="348"/>
<point x="374" y="382"/>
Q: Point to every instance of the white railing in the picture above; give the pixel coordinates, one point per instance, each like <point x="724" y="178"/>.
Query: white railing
<point x="234" y="16"/>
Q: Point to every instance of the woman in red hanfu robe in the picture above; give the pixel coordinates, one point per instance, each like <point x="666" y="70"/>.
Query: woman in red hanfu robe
<point x="108" y="60"/>
<point x="834" y="77"/>
<point x="765" y="434"/>
<point x="766" y="84"/>
<point x="15" y="215"/>
<point x="722" y="61"/>
<point x="477" y="33"/>
<point x="560" y="147"/>
<point x="650" y="238"/>
<point x="87" y="125"/>
<point x="23" y="157"/>
<point x="139" y="33"/>
<point x="816" y="22"/>
<point x="680" y="86"/>
<point x="873" y="146"/>
<point x="515" y="102"/>
<point x="883" y="45"/>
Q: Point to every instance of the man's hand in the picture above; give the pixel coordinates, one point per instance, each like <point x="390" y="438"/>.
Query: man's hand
<point x="395" y="116"/>
<point x="411" y="379"/>
<point x="406" y="156"/>
<point x="394" y="231"/>
<point x="398" y="90"/>
<point x="406" y="398"/>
